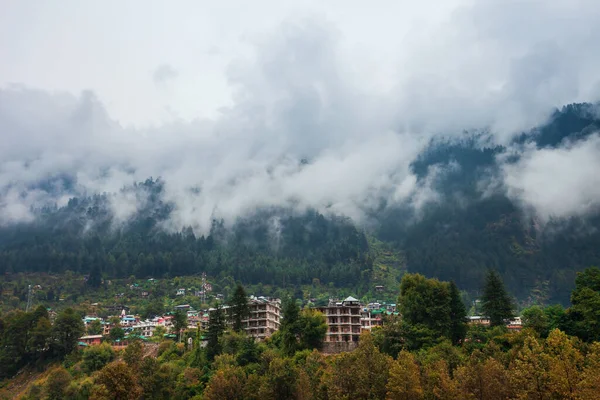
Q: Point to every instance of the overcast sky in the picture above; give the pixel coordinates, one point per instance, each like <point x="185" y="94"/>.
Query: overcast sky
<point x="227" y="96"/>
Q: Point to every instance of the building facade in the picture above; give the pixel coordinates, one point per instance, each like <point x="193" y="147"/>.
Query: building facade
<point x="343" y="320"/>
<point x="264" y="318"/>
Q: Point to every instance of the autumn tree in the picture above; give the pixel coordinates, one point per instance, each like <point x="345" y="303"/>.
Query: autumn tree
<point x="589" y="385"/>
<point x="119" y="381"/>
<point x="565" y="362"/>
<point x="57" y="383"/>
<point x="529" y="370"/>
<point x="404" y="382"/>
<point x="438" y="382"/>
<point x="483" y="378"/>
<point x="226" y="384"/>
<point x="495" y="301"/>
<point x="361" y="374"/>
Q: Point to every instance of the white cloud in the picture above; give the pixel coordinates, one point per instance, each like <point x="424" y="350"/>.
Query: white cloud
<point x="358" y="102"/>
<point x="557" y="182"/>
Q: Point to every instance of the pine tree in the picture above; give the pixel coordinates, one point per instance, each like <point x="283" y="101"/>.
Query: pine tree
<point x="216" y="326"/>
<point x="458" y="315"/>
<point x="95" y="277"/>
<point x="238" y="308"/>
<point x="496" y="302"/>
<point x="290" y="326"/>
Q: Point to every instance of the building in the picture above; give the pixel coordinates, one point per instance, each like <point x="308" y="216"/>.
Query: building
<point x="370" y="318"/>
<point x="515" y="324"/>
<point x="145" y="328"/>
<point x="479" y="320"/>
<point x="90" y="340"/>
<point x="343" y="320"/>
<point x="265" y="317"/>
<point x="180" y="292"/>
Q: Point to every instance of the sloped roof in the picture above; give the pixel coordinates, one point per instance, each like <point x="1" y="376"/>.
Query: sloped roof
<point x="350" y="298"/>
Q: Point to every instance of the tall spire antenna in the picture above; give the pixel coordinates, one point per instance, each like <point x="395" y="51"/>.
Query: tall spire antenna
<point x="28" y="298"/>
<point x="203" y="287"/>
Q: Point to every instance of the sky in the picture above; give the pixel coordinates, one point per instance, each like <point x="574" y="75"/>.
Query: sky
<point x="222" y="99"/>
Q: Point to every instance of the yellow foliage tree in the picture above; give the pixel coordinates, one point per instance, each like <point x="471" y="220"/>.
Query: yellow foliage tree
<point x="529" y="370"/>
<point x="439" y="383"/>
<point x="589" y="385"/>
<point x="226" y="384"/>
<point x="483" y="378"/>
<point x="404" y="382"/>
<point x="564" y="365"/>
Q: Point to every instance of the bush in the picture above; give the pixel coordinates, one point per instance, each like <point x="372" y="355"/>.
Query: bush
<point x="96" y="357"/>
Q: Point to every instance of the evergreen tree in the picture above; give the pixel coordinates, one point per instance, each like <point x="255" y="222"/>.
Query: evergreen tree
<point x="67" y="329"/>
<point x="290" y="326"/>
<point x="496" y="302"/>
<point x="95" y="277"/>
<point x="458" y="315"/>
<point x="179" y="322"/>
<point x="585" y="314"/>
<point x="238" y="308"/>
<point x="216" y="327"/>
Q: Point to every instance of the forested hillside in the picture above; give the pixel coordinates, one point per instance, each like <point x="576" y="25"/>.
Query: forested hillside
<point x="468" y="229"/>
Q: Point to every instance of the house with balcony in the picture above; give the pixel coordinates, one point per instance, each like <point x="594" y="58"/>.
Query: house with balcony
<point x="264" y="317"/>
<point x="343" y="320"/>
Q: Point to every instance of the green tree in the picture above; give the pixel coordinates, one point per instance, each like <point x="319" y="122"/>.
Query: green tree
<point x="116" y="333"/>
<point x="312" y="328"/>
<point x="535" y="318"/>
<point x="155" y="379"/>
<point x="68" y="328"/>
<point x="95" y="277"/>
<point x="216" y="327"/>
<point x="154" y="308"/>
<point x="458" y="316"/>
<point x="585" y="312"/>
<point x="40" y="337"/>
<point x="95" y="327"/>
<point x="290" y="329"/>
<point x="133" y="354"/>
<point x="425" y="306"/>
<point x="238" y="308"/>
<point x="179" y="322"/>
<point x="95" y="358"/>
<point x="495" y="301"/>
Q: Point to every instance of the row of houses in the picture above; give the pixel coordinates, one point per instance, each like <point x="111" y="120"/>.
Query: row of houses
<point x="345" y="319"/>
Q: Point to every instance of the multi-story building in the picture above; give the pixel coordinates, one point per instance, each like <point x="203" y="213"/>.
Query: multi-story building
<point x="370" y="318"/>
<point x="265" y="317"/>
<point x="343" y="320"/>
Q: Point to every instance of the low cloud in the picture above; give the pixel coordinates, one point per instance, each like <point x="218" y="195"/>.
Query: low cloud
<point x="557" y="182"/>
<point x="164" y="73"/>
<point x="296" y="97"/>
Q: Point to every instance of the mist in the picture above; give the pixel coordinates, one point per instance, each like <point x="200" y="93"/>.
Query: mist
<point x="311" y="123"/>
